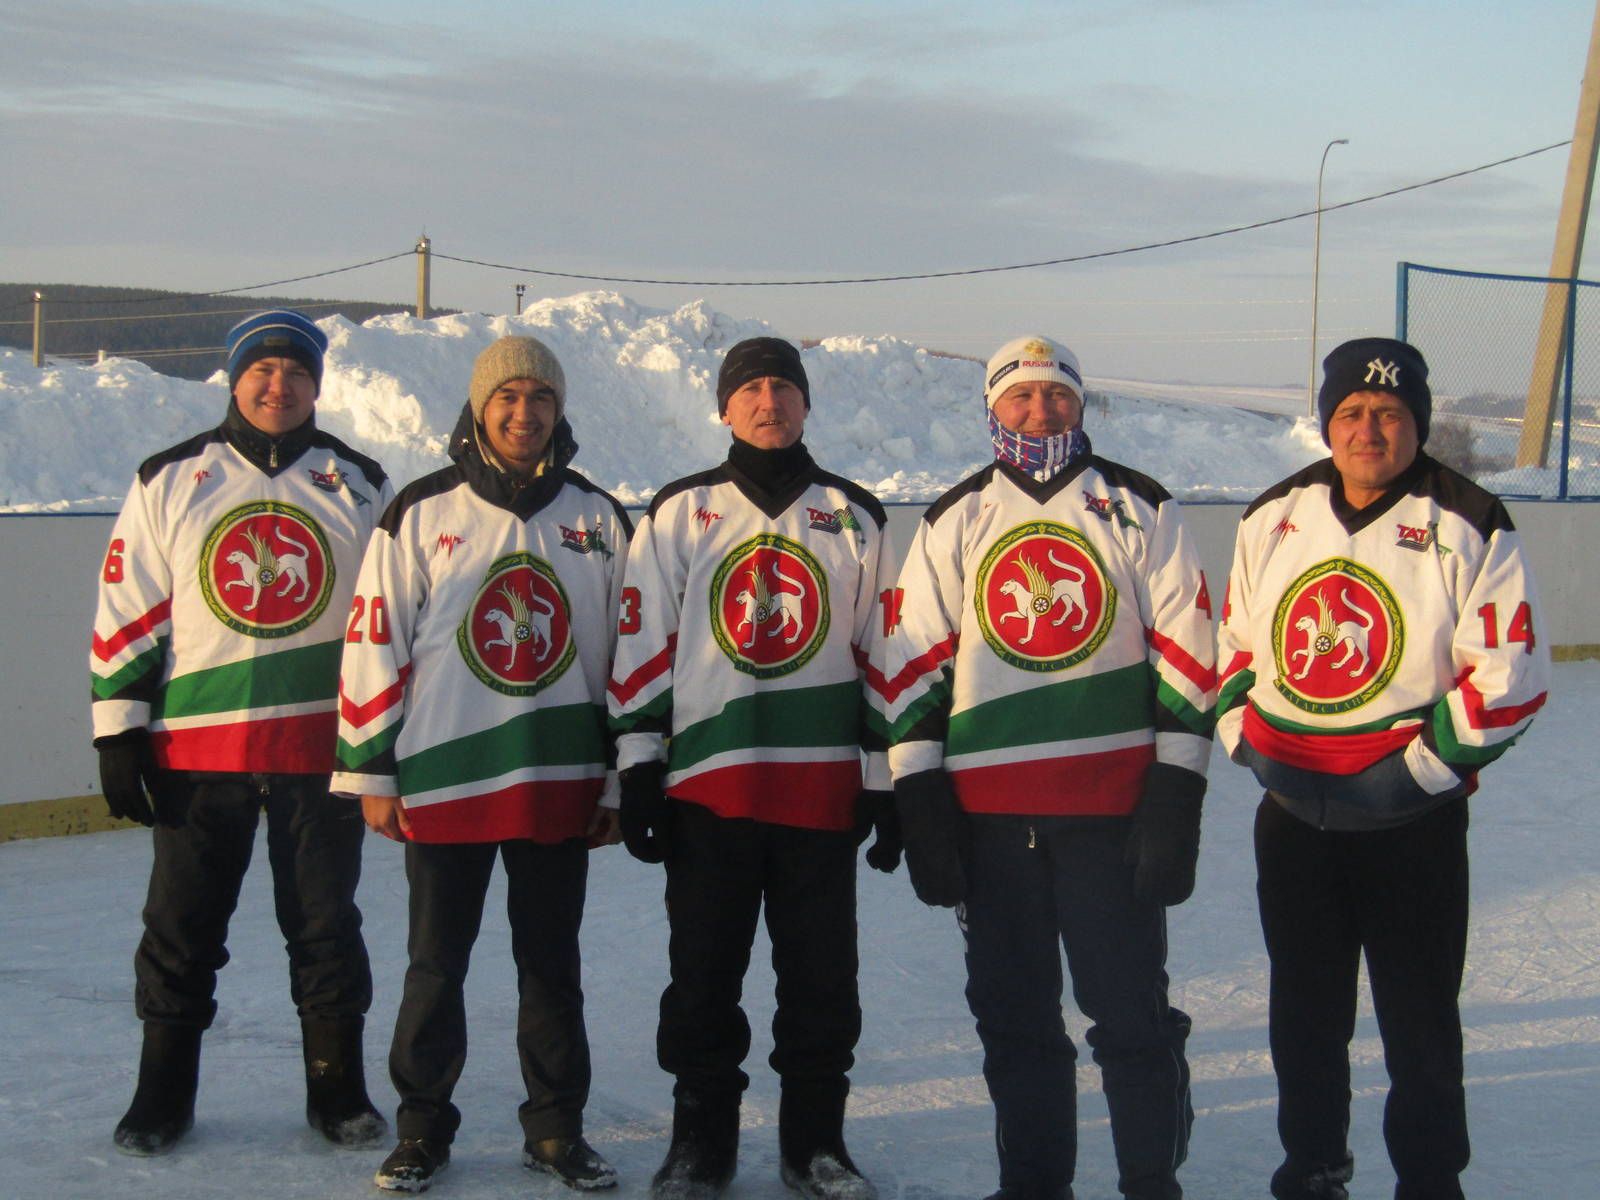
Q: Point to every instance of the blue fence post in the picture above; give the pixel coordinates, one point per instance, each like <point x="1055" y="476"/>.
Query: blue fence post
<point x="1566" y="389"/>
<point x="1401" y="298"/>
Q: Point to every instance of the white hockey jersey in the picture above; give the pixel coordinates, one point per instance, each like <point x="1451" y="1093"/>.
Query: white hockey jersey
<point x="223" y="597"/>
<point x="747" y="632"/>
<point x="474" y="671"/>
<point x="1055" y="640"/>
<point x="1411" y="624"/>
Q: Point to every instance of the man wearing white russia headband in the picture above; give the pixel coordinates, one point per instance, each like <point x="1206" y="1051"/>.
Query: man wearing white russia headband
<point x="1049" y="695"/>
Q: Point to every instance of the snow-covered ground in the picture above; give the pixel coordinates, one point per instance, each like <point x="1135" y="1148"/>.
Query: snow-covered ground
<point x="642" y="400"/>
<point x="919" y="1118"/>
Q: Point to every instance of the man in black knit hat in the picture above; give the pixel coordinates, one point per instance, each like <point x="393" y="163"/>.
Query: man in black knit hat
<point x="749" y="620"/>
<point x="1381" y="643"/>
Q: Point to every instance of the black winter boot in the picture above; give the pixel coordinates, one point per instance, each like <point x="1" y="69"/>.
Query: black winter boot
<point x="704" y="1153"/>
<point x="163" y="1104"/>
<point x="1321" y="1181"/>
<point x="337" y="1106"/>
<point x="814" y="1161"/>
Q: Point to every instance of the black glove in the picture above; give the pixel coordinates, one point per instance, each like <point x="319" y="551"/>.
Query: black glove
<point x="1165" y="840"/>
<point x="127" y="772"/>
<point x="936" y="836"/>
<point x="875" y="811"/>
<point x="646" y="812"/>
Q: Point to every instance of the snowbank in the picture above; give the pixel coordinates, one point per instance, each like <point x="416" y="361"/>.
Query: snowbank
<point x="892" y="416"/>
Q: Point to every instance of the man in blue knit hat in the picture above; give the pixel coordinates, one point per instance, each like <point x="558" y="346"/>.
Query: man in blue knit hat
<point x="223" y="602"/>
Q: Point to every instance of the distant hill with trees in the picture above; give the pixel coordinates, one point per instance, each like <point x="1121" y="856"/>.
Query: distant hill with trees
<point x="176" y="333"/>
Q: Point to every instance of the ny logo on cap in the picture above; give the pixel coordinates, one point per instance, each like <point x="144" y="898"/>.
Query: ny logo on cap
<point x="1388" y="373"/>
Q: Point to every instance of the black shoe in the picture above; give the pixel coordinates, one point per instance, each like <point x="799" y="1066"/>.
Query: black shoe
<point x="1296" y="1181"/>
<point x="337" y="1105"/>
<point x="1006" y="1193"/>
<point x="163" y="1104"/>
<point x="571" y="1160"/>
<point x="828" y="1175"/>
<point x="412" y="1164"/>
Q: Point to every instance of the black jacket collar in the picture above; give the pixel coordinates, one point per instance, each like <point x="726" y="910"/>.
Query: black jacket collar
<point x="772" y="480"/>
<point x="273" y="455"/>
<point x="518" y="494"/>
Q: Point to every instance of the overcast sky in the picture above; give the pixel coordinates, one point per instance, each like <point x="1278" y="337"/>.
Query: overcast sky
<point x="201" y="146"/>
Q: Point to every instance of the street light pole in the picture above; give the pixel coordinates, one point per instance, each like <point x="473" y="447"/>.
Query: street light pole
<point x="1316" y="279"/>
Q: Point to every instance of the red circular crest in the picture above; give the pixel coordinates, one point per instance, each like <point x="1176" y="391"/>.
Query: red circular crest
<point x="769" y="605"/>
<point x="1042" y="597"/>
<point x="517" y="635"/>
<point x="266" y="569"/>
<point x="1337" y="636"/>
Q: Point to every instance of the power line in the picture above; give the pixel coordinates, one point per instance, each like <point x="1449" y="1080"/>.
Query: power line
<point x="1027" y="266"/>
<point x="210" y="312"/>
<point x="250" y="287"/>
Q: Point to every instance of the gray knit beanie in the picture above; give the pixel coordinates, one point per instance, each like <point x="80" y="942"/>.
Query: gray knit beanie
<point x="515" y="358"/>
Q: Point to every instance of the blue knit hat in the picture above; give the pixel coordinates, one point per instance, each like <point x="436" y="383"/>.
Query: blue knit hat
<point x="276" y="333"/>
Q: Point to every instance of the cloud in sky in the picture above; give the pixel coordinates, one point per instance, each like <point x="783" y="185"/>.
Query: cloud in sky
<point x="205" y="146"/>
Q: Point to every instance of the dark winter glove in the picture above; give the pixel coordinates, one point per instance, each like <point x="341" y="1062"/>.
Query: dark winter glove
<point x="1384" y="793"/>
<point x="1165" y="840"/>
<point x="127" y="772"/>
<point x="646" y="811"/>
<point x="936" y="836"/>
<point x="875" y="811"/>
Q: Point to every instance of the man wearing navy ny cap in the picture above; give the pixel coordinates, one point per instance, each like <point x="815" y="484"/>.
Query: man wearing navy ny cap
<point x="1381" y="643"/>
<point x="223" y="599"/>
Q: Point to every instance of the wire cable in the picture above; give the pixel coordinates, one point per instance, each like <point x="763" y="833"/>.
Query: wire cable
<point x="1027" y="266"/>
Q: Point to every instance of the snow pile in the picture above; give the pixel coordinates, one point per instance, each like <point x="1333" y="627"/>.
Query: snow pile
<point x="903" y="422"/>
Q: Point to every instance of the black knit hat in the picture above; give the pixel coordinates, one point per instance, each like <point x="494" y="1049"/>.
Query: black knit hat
<point x="1376" y="364"/>
<point x="758" y="358"/>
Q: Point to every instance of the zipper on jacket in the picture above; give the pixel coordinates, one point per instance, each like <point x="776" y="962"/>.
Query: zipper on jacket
<point x="272" y="457"/>
<point x="1033" y="842"/>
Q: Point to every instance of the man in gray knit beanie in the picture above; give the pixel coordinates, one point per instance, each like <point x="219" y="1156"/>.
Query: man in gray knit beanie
<point x="518" y="395"/>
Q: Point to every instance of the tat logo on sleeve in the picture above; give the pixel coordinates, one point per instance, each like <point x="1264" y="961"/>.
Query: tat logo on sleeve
<point x="201" y="476"/>
<point x="836" y="521"/>
<point x="1106" y="508"/>
<point x="705" y="516"/>
<point x="334" y="481"/>
<point x="584" y="541"/>
<point x="1284" y="528"/>
<point x="1420" y="538"/>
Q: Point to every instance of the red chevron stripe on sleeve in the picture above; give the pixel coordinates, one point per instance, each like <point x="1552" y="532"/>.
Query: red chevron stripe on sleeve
<point x="1204" y="678"/>
<point x="1481" y="716"/>
<point x="357" y="715"/>
<point x="624" y="690"/>
<point x="926" y="662"/>
<point x="105" y="648"/>
<point x="1240" y="660"/>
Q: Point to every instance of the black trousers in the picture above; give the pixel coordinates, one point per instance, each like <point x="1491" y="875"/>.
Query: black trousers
<point x="544" y="902"/>
<point x="314" y="847"/>
<point x="1400" y="896"/>
<point x="1035" y="886"/>
<point x="718" y="875"/>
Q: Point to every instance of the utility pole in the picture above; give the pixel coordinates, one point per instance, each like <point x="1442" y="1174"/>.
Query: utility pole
<point x="1555" y="327"/>
<point x="424" y="263"/>
<point x="38" y="329"/>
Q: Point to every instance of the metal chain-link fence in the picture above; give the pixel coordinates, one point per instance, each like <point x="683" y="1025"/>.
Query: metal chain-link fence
<point x="1481" y="335"/>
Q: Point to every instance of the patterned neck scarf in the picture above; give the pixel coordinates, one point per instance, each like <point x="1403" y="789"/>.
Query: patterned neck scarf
<point x="1040" y="457"/>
